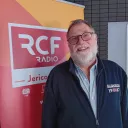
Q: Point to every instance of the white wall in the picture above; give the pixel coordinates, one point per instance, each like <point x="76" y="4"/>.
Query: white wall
<point x="117" y="43"/>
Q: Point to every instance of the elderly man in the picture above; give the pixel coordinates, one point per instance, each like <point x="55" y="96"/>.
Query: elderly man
<point x="85" y="91"/>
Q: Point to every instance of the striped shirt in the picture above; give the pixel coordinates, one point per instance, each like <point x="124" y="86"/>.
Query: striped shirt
<point x="89" y="87"/>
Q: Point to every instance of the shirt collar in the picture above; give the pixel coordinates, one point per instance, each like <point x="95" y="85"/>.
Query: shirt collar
<point x="94" y="67"/>
<point x="99" y="65"/>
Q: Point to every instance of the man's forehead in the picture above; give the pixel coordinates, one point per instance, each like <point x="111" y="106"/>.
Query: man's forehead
<point x="79" y="29"/>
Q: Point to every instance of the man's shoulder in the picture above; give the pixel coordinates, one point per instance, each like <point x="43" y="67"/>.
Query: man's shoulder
<point x="61" y="67"/>
<point x="111" y="65"/>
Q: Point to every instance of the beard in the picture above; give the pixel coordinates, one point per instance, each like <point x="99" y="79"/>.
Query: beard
<point x="84" y="58"/>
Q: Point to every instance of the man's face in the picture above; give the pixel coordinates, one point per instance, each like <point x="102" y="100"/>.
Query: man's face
<point x="85" y="50"/>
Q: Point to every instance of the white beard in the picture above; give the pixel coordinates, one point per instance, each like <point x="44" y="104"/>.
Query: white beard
<point x="84" y="58"/>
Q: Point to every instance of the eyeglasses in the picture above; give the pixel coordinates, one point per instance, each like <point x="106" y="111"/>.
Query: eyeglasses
<point x="85" y="37"/>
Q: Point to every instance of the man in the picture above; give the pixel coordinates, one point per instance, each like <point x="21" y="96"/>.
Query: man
<point x="85" y="91"/>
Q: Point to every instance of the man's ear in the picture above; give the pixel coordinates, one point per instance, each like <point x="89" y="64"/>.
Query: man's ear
<point x="96" y="37"/>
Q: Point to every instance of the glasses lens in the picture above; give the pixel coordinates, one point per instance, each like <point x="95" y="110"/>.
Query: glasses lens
<point x="73" y="40"/>
<point x="86" y="36"/>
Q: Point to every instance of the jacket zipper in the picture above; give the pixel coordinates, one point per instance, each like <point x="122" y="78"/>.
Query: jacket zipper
<point x="96" y="119"/>
<point x="97" y="122"/>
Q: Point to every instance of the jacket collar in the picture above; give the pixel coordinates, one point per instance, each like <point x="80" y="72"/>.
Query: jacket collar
<point x="100" y="65"/>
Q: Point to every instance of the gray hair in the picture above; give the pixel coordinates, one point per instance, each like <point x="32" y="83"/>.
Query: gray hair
<point x="79" y="21"/>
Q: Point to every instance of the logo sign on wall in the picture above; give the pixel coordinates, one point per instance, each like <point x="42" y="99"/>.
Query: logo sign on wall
<point x="34" y="51"/>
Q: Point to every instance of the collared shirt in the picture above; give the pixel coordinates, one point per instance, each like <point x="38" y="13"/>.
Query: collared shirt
<point x="89" y="87"/>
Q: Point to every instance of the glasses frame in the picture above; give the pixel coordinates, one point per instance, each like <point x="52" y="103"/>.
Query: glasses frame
<point x="81" y="37"/>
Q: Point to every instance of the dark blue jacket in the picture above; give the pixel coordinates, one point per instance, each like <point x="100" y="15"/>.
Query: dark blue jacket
<point x="66" y="104"/>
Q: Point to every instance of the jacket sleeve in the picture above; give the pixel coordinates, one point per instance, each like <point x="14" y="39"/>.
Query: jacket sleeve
<point x="124" y="104"/>
<point x="49" y="113"/>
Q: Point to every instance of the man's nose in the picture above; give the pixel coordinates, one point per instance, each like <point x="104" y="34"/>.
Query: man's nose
<point x="80" y="40"/>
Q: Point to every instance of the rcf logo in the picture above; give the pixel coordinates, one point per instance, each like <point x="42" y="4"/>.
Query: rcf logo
<point x="36" y="46"/>
<point x="34" y="51"/>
